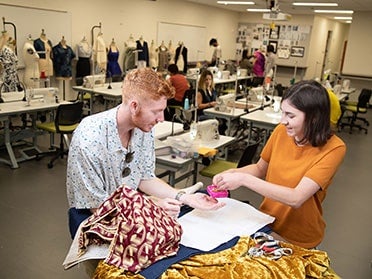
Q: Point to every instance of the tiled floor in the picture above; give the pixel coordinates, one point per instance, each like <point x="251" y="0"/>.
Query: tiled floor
<point x="34" y="237"/>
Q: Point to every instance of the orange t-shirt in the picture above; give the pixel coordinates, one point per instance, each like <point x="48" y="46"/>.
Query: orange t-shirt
<point x="181" y="84"/>
<point x="288" y="164"/>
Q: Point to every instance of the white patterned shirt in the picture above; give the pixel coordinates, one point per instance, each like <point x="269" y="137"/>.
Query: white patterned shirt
<point x="97" y="158"/>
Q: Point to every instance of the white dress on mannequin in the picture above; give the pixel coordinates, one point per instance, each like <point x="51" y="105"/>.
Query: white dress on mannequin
<point x="31" y="60"/>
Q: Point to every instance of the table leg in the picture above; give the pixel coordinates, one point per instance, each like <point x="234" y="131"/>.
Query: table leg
<point x="13" y="160"/>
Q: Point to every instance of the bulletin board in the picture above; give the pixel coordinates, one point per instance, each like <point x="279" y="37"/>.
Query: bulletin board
<point x="192" y="36"/>
<point x="290" y="41"/>
<point x="30" y="21"/>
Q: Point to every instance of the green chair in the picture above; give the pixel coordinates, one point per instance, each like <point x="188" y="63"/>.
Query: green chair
<point x="220" y="165"/>
<point x="67" y="118"/>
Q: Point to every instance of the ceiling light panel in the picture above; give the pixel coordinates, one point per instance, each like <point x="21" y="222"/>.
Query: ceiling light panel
<point x="236" y="2"/>
<point x="334" y="11"/>
<point x="314" y="4"/>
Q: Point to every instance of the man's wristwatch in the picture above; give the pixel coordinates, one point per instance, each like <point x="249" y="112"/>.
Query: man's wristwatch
<point x="179" y="195"/>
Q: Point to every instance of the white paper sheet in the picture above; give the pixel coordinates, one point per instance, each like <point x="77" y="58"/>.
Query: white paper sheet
<point x="206" y="230"/>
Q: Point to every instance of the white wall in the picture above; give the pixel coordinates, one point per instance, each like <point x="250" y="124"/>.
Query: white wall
<point x="120" y="18"/>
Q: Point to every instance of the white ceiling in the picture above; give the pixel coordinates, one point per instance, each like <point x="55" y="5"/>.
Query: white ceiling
<point x="286" y="5"/>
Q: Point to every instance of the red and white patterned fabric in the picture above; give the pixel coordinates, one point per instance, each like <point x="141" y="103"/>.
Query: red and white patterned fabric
<point x="139" y="232"/>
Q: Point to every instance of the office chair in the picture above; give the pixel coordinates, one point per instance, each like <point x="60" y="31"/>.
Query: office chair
<point x="356" y="109"/>
<point x="67" y="118"/>
<point x="220" y="165"/>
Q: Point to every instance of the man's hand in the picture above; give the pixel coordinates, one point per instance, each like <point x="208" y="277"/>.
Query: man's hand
<point x="201" y="201"/>
<point x="171" y="206"/>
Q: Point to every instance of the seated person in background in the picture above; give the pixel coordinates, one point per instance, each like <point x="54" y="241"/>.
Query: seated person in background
<point x="181" y="85"/>
<point x="206" y="98"/>
<point x="246" y="62"/>
<point x="335" y="109"/>
<point x="296" y="166"/>
<point x="116" y="147"/>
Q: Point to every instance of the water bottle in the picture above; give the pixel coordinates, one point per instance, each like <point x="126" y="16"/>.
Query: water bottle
<point x="186" y="105"/>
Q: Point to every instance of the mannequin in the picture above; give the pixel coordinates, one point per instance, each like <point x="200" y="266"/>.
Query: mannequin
<point x="163" y="57"/>
<point x="153" y="55"/>
<point x="130" y="47"/>
<point x="83" y="55"/>
<point x="63" y="55"/>
<point x="44" y="47"/>
<point x="9" y="62"/>
<point x="113" y="68"/>
<point x="31" y="60"/>
<point x="171" y="53"/>
<point x="100" y="57"/>
<point x="181" y="57"/>
<point x="143" y="53"/>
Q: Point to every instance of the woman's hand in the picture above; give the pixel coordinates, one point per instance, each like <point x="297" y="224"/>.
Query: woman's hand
<point x="202" y="201"/>
<point x="229" y="180"/>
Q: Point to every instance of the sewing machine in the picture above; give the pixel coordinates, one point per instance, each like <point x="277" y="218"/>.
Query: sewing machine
<point x="207" y="130"/>
<point x="94" y="81"/>
<point x="225" y="102"/>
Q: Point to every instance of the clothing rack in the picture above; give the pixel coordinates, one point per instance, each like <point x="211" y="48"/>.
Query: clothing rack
<point x="14" y="32"/>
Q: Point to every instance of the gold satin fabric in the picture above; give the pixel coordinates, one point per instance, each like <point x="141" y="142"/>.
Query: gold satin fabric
<point x="234" y="263"/>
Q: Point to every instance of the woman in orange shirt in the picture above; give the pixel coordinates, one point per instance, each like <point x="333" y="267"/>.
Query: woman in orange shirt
<point x="296" y="166"/>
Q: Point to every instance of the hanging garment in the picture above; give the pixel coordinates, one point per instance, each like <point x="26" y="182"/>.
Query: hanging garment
<point x="143" y="51"/>
<point x="31" y="60"/>
<point x="113" y="68"/>
<point x="129" y="59"/>
<point x="63" y="56"/>
<point x="9" y="61"/>
<point x="44" y="50"/>
<point x="84" y="54"/>
<point x="163" y="58"/>
<point x="181" y="54"/>
<point x="100" y="56"/>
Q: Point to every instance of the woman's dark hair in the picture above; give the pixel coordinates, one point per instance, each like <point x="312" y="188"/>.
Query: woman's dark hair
<point x="173" y="69"/>
<point x="212" y="41"/>
<point x="270" y="48"/>
<point x="312" y="98"/>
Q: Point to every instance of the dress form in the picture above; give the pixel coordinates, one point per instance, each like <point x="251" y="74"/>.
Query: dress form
<point x="44" y="47"/>
<point x="83" y="55"/>
<point x="171" y="52"/>
<point x="31" y="60"/>
<point x="9" y="62"/>
<point x="153" y="55"/>
<point x="99" y="54"/>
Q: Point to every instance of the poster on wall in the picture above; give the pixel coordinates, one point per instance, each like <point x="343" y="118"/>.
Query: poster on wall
<point x="297" y="51"/>
<point x="283" y="52"/>
<point x="274" y="32"/>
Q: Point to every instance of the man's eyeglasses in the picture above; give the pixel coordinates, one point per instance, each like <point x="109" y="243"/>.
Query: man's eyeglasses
<point x="128" y="158"/>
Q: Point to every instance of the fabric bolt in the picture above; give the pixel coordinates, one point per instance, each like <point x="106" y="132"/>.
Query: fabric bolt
<point x="100" y="160"/>
<point x="44" y="50"/>
<point x="289" y="163"/>
<point x="234" y="263"/>
<point x="113" y="68"/>
<point x="138" y="231"/>
<point x="9" y="61"/>
<point x="63" y="56"/>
